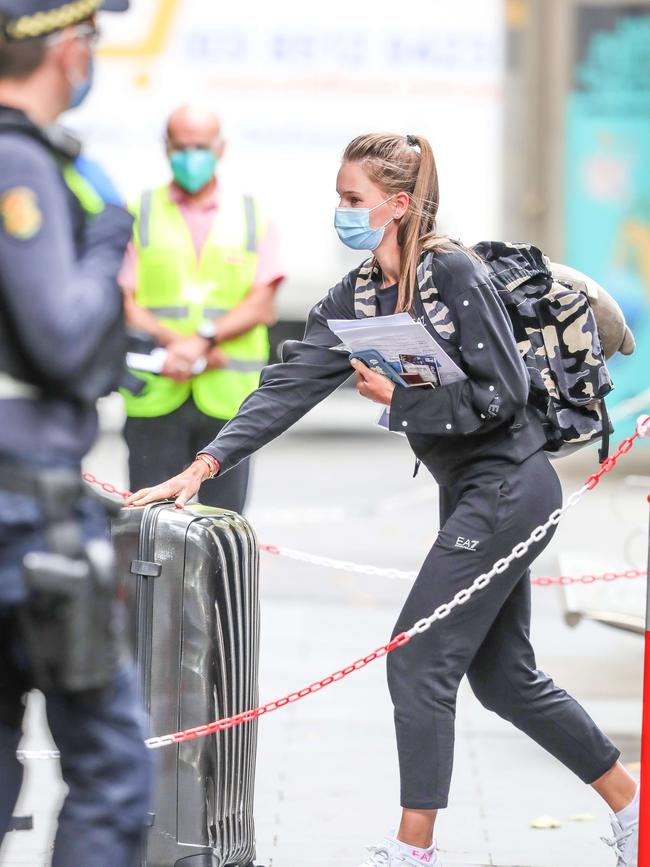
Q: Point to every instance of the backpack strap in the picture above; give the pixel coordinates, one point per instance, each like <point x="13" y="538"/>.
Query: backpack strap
<point x="365" y="296"/>
<point x="365" y="290"/>
<point x="603" y="451"/>
<point x="436" y="311"/>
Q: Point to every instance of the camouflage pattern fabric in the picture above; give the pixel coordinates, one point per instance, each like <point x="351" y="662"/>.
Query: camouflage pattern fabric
<point x="437" y="313"/>
<point x="365" y="295"/>
<point x="557" y="335"/>
<point x="554" y="327"/>
<point x="365" y="290"/>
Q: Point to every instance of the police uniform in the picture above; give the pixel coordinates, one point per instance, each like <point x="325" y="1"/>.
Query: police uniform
<point x="61" y="333"/>
<point x="496" y="486"/>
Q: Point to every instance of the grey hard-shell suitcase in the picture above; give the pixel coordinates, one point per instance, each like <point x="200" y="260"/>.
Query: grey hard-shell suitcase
<point x="191" y="580"/>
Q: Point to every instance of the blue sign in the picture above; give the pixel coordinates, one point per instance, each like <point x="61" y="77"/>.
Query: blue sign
<point x="607" y="182"/>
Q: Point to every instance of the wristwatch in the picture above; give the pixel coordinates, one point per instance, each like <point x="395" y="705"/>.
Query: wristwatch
<point x="208" y="330"/>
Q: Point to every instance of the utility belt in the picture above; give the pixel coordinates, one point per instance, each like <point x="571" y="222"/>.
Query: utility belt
<point x="68" y="622"/>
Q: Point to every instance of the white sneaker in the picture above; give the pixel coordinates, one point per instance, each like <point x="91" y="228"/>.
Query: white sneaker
<point x="392" y="853"/>
<point x="624" y="842"/>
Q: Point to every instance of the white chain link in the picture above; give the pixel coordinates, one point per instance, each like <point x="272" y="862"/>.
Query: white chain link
<point x="463" y="596"/>
<point x="26" y="755"/>
<point x="157" y="743"/>
<point x="343" y="565"/>
<point x="398" y="574"/>
<point x="480" y="583"/>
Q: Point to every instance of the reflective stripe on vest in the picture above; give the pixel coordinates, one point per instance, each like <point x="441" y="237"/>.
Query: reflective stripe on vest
<point x="245" y="366"/>
<point x="183" y="291"/>
<point x="184" y="312"/>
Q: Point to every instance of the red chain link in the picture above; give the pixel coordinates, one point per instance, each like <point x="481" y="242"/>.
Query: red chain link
<point x="589" y="579"/>
<point x="255" y="713"/>
<point x="249" y="715"/>
<point x="539" y="582"/>
<point x="591" y="481"/>
<point x="609" y="463"/>
<point x="105" y="486"/>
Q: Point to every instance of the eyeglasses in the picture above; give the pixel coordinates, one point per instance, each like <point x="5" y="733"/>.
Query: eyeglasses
<point x="87" y="31"/>
<point x="90" y="32"/>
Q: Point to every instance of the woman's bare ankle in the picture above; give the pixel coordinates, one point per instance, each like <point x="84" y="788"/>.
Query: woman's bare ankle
<point x="617" y="787"/>
<point x="416" y="828"/>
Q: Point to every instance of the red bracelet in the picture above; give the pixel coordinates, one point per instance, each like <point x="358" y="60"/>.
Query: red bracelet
<point x="212" y="463"/>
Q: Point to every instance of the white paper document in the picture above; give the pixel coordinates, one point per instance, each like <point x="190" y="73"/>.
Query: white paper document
<point x="155" y="362"/>
<point x="395" y="336"/>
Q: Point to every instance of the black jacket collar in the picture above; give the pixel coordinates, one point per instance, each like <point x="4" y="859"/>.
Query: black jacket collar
<point x="58" y="140"/>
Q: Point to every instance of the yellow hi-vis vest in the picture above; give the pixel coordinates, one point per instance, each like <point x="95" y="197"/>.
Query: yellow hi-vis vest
<point x="183" y="292"/>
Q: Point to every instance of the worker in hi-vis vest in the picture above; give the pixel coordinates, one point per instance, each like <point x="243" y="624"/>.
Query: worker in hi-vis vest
<point x="200" y="277"/>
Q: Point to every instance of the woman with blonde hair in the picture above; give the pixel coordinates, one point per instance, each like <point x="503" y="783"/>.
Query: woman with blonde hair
<point x="485" y="451"/>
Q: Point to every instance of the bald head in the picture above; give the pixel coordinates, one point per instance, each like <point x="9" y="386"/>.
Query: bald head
<point x="193" y="126"/>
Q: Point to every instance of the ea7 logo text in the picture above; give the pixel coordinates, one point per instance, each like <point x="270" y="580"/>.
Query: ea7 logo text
<point x="468" y="544"/>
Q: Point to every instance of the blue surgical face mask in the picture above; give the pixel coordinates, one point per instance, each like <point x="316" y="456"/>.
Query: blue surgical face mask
<point x="81" y="91"/>
<point x="353" y="227"/>
<point x="193" y="168"/>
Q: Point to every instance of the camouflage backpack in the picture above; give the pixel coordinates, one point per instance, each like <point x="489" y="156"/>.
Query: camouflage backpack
<point x="556" y="330"/>
<point x="557" y="334"/>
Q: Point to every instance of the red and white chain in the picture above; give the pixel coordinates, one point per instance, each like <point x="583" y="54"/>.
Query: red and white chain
<point x="461" y="598"/>
<point x="423" y="625"/>
<point x="380" y="571"/>
<point x="399" y="575"/>
<point x="519" y="551"/>
<point x="105" y="486"/>
<point x="566" y="580"/>
<point x="341" y="565"/>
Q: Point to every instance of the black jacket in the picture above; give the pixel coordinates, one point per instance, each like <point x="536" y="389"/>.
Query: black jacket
<point x="481" y="418"/>
<point x="60" y="306"/>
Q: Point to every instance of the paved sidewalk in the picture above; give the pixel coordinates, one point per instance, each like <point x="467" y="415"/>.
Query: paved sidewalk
<point x="327" y="771"/>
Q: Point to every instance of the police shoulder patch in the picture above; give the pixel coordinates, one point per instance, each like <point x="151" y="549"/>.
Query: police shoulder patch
<point x="20" y="214"/>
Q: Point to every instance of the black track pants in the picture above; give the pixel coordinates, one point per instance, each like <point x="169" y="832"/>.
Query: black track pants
<point x="482" y="517"/>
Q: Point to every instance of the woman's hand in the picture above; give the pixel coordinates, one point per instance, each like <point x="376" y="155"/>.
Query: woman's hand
<point x="374" y="386"/>
<point x="181" y="488"/>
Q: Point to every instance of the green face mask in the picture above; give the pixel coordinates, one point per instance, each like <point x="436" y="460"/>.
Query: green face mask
<point x="194" y="168"/>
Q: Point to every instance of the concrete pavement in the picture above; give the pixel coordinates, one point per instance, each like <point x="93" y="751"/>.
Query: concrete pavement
<point x="327" y="770"/>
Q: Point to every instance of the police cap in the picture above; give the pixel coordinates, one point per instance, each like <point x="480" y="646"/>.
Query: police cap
<point x="28" y="19"/>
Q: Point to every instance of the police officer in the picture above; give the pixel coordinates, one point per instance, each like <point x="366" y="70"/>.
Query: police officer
<point x="496" y="486"/>
<point x="61" y="347"/>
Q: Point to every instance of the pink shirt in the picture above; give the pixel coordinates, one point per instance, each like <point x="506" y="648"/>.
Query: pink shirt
<point x="199" y="219"/>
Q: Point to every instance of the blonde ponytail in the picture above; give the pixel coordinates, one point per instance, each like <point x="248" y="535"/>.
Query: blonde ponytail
<point x="398" y="163"/>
